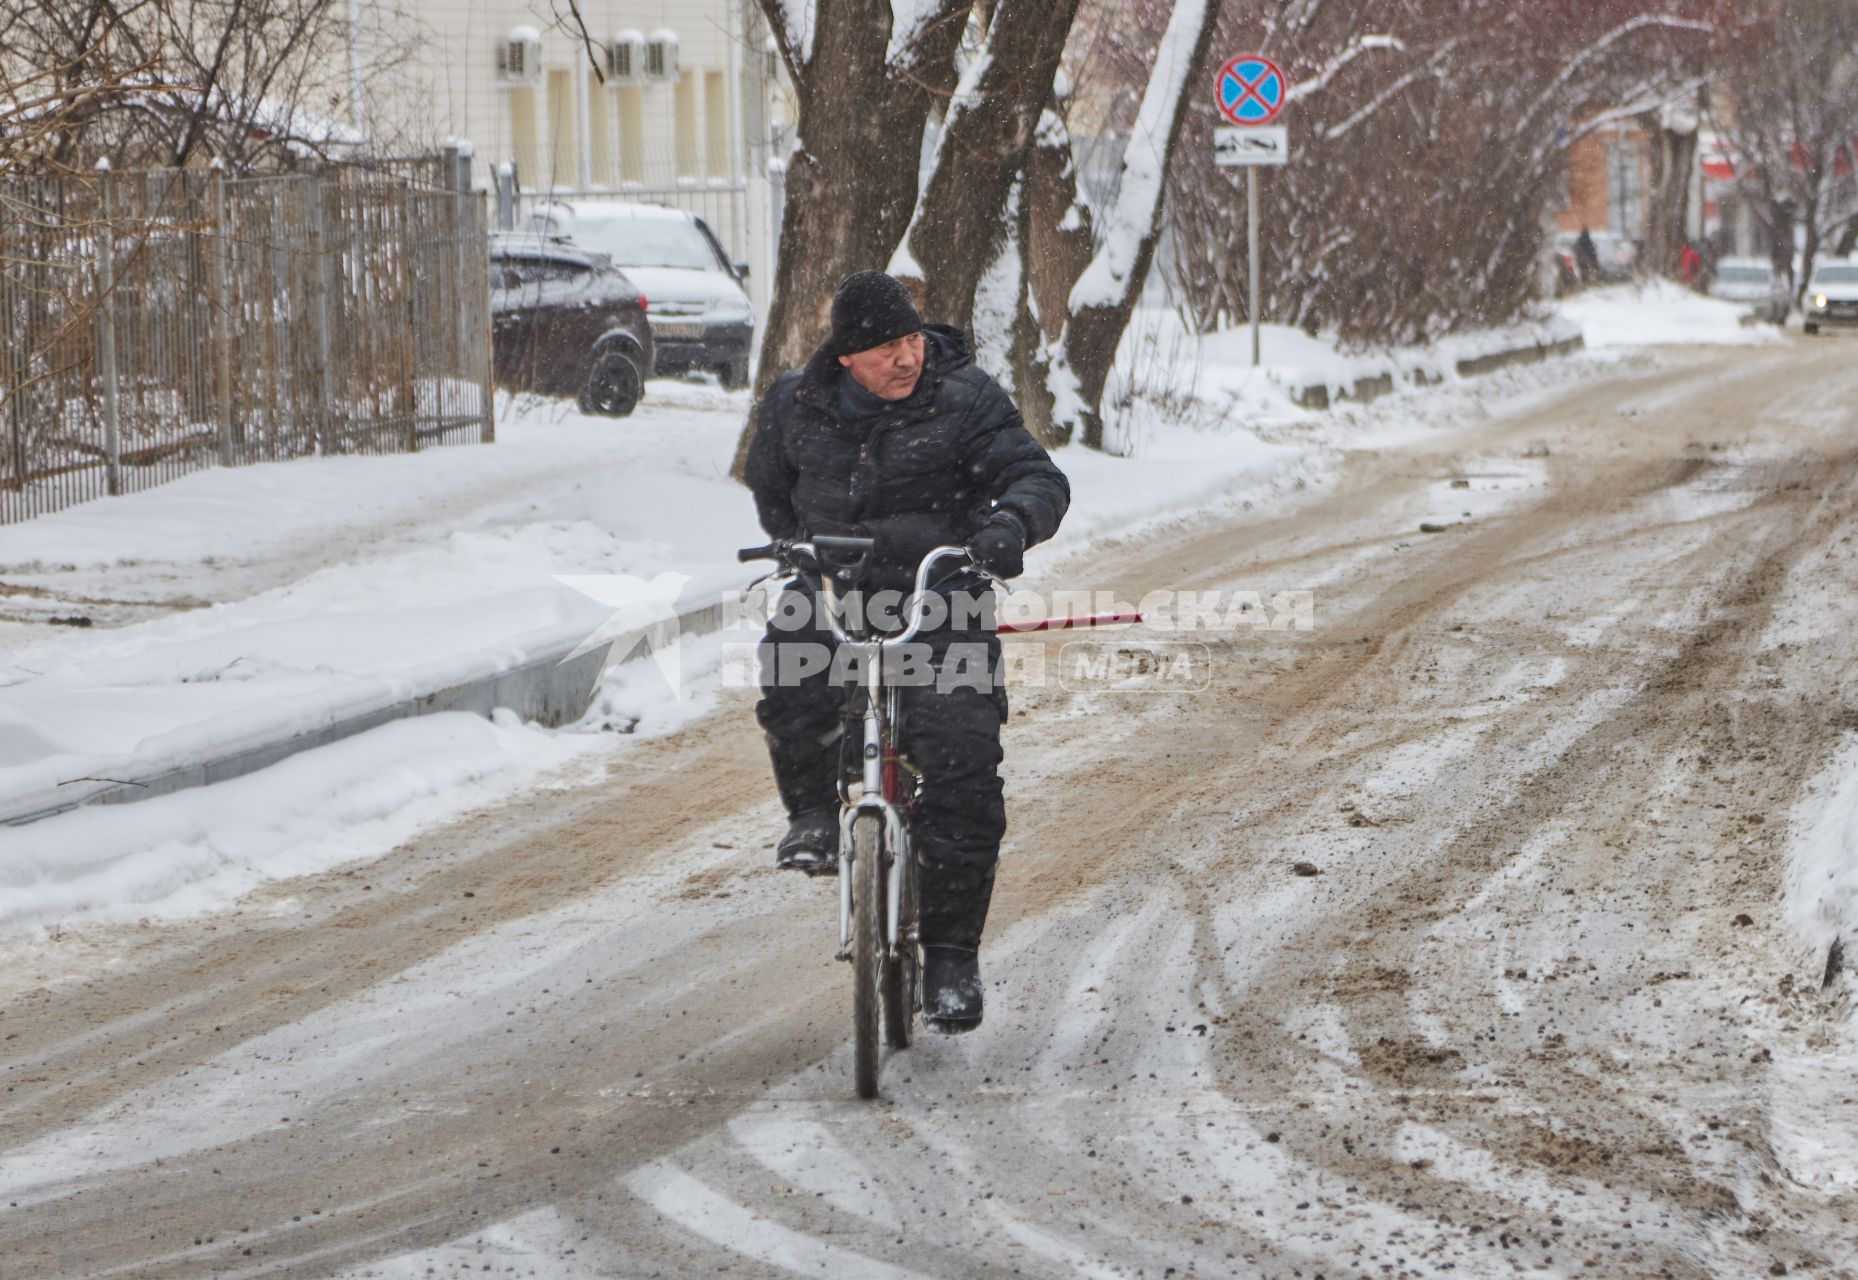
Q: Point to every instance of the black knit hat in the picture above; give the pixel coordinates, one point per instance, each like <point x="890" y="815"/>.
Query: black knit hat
<point x="869" y="310"/>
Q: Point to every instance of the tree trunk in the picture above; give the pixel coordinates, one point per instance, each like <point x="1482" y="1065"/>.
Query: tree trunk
<point x="1809" y="244"/>
<point x="852" y="183"/>
<point x="989" y="131"/>
<point x="1780" y="242"/>
<point x="1101" y="302"/>
<point x="1058" y="235"/>
<point x="1848" y="240"/>
<point x="1055" y="239"/>
<point x="1672" y="154"/>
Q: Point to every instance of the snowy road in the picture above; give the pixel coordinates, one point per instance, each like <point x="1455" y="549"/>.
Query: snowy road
<point x="1536" y="1010"/>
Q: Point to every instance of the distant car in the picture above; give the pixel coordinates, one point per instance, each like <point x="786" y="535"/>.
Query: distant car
<point x="567" y="322"/>
<point x="1617" y="255"/>
<point x="701" y="316"/>
<point x="1832" y="297"/>
<point x="1752" y="280"/>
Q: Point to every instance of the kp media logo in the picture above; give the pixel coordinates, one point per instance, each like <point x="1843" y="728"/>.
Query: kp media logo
<point x="644" y="611"/>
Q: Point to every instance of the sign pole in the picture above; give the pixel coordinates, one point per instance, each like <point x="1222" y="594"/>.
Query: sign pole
<point x="1251" y="228"/>
<point x="1250" y="91"/>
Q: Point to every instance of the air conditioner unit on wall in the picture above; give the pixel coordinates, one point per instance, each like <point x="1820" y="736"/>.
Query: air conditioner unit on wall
<point x="625" y="58"/>
<point x="661" y="56"/>
<point x="519" y="57"/>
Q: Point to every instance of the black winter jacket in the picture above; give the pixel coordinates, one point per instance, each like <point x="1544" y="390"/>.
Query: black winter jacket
<point x="926" y="472"/>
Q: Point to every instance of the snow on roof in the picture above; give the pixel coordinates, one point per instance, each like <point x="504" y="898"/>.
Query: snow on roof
<point x="526" y="33"/>
<point x="665" y="34"/>
<point x="261" y="116"/>
<point x="605" y="210"/>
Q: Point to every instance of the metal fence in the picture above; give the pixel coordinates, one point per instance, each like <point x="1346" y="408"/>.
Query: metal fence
<point x="155" y="323"/>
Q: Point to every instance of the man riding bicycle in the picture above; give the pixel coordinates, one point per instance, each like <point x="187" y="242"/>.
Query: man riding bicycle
<point x="891" y="432"/>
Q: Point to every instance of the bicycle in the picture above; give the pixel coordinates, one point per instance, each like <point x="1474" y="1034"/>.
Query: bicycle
<point x="877" y="869"/>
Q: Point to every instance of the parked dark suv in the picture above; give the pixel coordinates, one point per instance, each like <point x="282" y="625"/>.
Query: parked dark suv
<point x="701" y="315"/>
<point x="567" y="322"/>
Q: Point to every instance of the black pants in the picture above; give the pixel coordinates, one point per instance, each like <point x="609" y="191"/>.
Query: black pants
<point x="950" y="732"/>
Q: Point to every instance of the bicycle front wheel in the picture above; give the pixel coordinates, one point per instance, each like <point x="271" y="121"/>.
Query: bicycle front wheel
<point x="867" y="947"/>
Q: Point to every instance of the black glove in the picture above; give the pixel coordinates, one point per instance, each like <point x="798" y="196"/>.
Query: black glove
<point x="1000" y="546"/>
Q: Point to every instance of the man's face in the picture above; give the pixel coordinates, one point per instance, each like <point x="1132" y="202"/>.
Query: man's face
<point x="889" y="371"/>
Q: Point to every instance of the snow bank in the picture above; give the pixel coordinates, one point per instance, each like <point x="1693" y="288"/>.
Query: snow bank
<point x="654" y="479"/>
<point x="403" y="576"/>
<point x="1817" y="1144"/>
<point x="1822" y="873"/>
<point x="1660" y="313"/>
<point x="356" y="799"/>
<point x="1300" y="364"/>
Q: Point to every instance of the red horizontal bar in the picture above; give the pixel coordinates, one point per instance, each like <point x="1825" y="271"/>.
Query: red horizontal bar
<point x="1066" y="624"/>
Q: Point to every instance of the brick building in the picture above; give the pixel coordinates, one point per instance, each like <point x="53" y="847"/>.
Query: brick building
<point x="1609" y="173"/>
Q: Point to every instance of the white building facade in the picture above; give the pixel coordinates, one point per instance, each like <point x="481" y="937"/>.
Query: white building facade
<point x="682" y="113"/>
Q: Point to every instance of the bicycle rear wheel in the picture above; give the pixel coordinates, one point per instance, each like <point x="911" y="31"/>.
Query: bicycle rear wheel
<point x="903" y="975"/>
<point x="867" y="947"/>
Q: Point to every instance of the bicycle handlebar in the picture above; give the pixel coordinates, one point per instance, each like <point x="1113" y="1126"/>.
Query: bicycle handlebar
<point x="792" y="555"/>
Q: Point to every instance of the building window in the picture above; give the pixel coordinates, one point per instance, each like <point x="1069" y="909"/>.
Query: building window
<point x="599" y="133"/>
<point x="632" y="134"/>
<point x="1624" y="191"/>
<point x="715" y="126"/>
<point x="522" y="138"/>
<point x="563" y="142"/>
<point x="685" y="126"/>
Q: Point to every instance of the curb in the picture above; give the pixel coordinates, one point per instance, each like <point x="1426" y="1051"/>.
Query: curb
<point x="553" y="688"/>
<point x="1370" y="387"/>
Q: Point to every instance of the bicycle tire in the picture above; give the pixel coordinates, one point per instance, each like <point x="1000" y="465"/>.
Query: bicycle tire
<point x="903" y="976"/>
<point x="867" y="948"/>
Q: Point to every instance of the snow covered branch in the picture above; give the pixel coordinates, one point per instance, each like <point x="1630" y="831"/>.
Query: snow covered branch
<point x="1391" y="92"/>
<point x="1130" y="221"/>
<point x="794" y="22"/>
<point x="1553" y="95"/>
<point x="907" y="20"/>
<point x="1355" y="48"/>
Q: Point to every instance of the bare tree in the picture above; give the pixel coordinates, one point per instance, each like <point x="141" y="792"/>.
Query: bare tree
<point x="987" y="135"/>
<point x="251" y="84"/>
<point x="1671" y="134"/>
<point x="865" y="89"/>
<point x="1428" y="141"/>
<point x="1790" y="108"/>
<point x="1098" y="308"/>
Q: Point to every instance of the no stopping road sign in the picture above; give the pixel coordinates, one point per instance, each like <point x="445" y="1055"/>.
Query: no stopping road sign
<point x="1251" y="89"/>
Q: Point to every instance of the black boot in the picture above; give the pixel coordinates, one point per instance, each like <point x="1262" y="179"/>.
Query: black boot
<point x="951" y="989"/>
<point x="811" y="843"/>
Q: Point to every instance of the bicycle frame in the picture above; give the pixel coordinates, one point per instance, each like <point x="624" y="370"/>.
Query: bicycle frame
<point x="882" y="783"/>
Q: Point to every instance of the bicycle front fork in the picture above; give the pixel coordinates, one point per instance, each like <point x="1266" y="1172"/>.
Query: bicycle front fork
<point x="874" y="797"/>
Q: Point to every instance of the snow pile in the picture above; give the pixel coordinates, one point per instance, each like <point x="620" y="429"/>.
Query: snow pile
<point x="656" y="482"/>
<point x="1822" y="873"/>
<point x="1817" y="1144"/>
<point x="356" y="799"/>
<point x="402" y="576"/>
<point x="1158" y="348"/>
<point x="1661" y="313"/>
<point x="1158" y="351"/>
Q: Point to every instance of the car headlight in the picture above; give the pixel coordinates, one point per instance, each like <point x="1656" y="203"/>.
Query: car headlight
<point x="1819" y="300"/>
